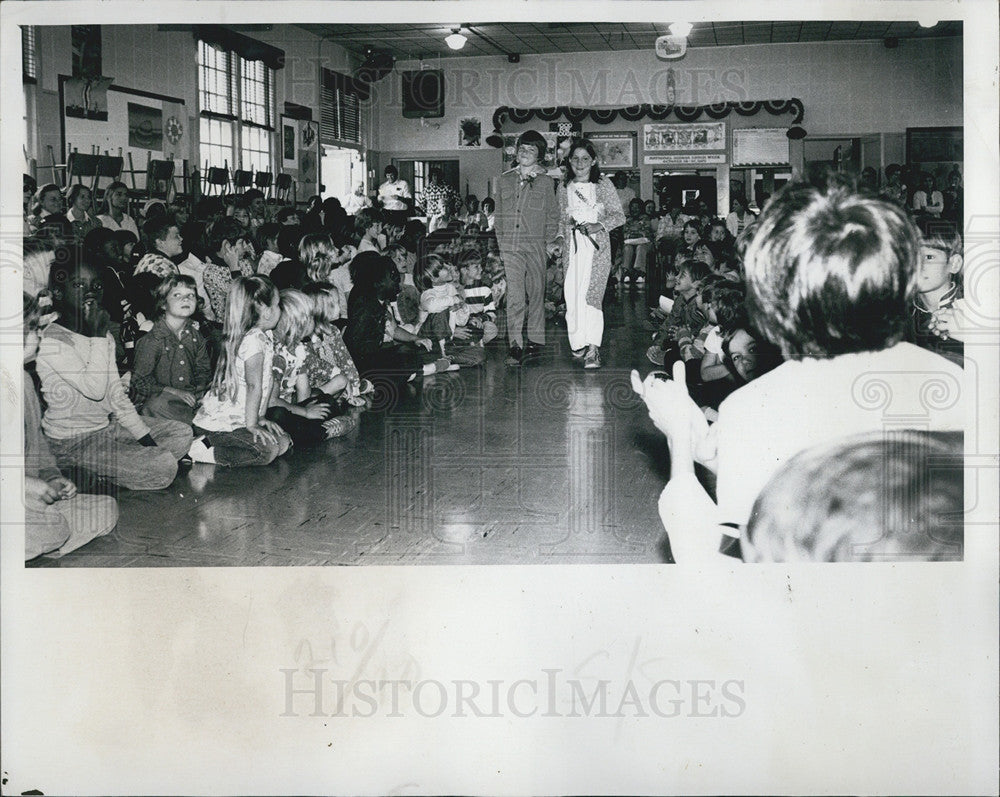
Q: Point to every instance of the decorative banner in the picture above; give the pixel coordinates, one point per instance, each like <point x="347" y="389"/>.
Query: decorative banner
<point x="658" y="113"/>
<point x="470" y="132"/>
<point x="308" y="159"/>
<point x="614" y="150"/>
<point x="87" y="98"/>
<point x="309" y="134"/>
<point x="173" y="128"/>
<point x="145" y="127"/>
<point x="684" y="160"/>
<point x="675" y="138"/>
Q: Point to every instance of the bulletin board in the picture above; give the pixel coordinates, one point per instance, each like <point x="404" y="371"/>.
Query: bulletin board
<point x="760" y="146"/>
<point x="138" y="122"/>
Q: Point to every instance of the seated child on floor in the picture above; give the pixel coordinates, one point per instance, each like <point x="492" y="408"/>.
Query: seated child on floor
<point x="89" y="422"/>
<point x="171" y="371"/>
<point x="327" y="358"/>
<point x="939" y="287"/>
<point x="724" y="305"/>
<point x="57" y="519"/>
<point x="685" y="319"/>
<point x="230" y="420"/>
<point x="441" y="302"/>
<point x="294" y="406"/>
<point x="479" y="299"/>
<point x="267" y="244"/>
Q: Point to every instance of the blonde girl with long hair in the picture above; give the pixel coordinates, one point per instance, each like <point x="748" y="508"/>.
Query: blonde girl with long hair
<point x="231" y="420"/>
<point x="294" y="406"/>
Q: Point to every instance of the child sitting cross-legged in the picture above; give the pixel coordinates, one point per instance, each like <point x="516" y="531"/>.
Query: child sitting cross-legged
<point x="440" y="301"/>
<point x="294" y="406"/>
<point x="478" y="297"/>
<point x="685" y="319"/>
<point x="327" y="357"/>
<point x="230" y="421"/>
<point x="57" y="519"/>
<point x="90" y="424"/>
<point x="171" y="371"/>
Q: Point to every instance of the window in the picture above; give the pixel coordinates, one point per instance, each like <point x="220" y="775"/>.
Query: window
<point x="29" y="53"/>
<point x="236" y="97"/>
<point x="217" y="143"/>
<point x="340" y="109"/>
<point x="256" y="146"/>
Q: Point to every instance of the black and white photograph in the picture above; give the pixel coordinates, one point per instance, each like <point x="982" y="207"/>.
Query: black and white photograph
<point x="640" y="440"/>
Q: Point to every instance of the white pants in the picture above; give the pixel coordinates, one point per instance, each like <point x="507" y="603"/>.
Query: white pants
<point x="584" y="323"/>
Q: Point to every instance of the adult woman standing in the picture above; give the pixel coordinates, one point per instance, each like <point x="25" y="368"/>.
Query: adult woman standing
<point x="589" y="209"/>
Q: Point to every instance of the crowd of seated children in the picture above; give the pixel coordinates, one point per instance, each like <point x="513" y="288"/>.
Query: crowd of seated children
<point x="830" y="276"/>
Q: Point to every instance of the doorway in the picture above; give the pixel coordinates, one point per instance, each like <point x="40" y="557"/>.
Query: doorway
<point x="341" y="171"/>
<point x="685" y="188"/>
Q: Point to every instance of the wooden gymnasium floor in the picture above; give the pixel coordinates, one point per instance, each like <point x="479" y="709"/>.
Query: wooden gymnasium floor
<point x="543" y="464"/>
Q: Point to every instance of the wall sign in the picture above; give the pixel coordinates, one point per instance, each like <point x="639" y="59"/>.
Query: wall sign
<point x="678" y="138"/>
<point x="684" y="160"/>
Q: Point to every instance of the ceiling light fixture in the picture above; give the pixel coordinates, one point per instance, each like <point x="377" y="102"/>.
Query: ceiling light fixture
<point x="927" y="23"/>
<point x="680" y="28"/>
<point x="456" y="41"/>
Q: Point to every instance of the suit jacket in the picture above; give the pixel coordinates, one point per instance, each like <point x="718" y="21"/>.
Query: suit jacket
<point x="527" y="217"/>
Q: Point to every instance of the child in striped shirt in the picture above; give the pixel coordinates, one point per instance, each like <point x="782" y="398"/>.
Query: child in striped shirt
<point x="479" y="299"/>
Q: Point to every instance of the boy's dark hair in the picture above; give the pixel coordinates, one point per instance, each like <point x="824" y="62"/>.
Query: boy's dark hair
<point x="251" y="195"/>
<point x="224" y="229"/>
<point x="156" y="228"/>
<point x="730" y="308"/>
<point x="162" y="291"/>
<point x="491" y="200"/>
<point x="126" y="237"/>
<point x="141" y="290"/>
<point x="266" y="232"/>
<point x="534" y="139"/>
<point x="288" y="241"/>
<point x="368" y="269"/>
<point x="207" y="207"/>
<point x="830" y="271"/>
<point x="696" y="268"/>
<point x="95" y="240"/>
<point x="285" y="213"/>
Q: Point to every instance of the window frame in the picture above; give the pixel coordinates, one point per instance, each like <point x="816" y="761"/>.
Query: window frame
<point x="29" y="54"/>
<point x="240" y="110"/>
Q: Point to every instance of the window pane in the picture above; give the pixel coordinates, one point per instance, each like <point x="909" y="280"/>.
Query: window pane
<point x="29" y="52"/>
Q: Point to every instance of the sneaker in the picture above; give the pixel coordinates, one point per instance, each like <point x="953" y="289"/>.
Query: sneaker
<point x="534" y="348"/>
<point x="626" y="279"/>
<point x="640" y="280"/>
<point x="201" y="451"/>
<point x="592" y="358"/>
<point x="655" y="355"/>
<point x="515" y="355"/>
<point x="579" y="353"/>
<point x="339" y="426"/>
